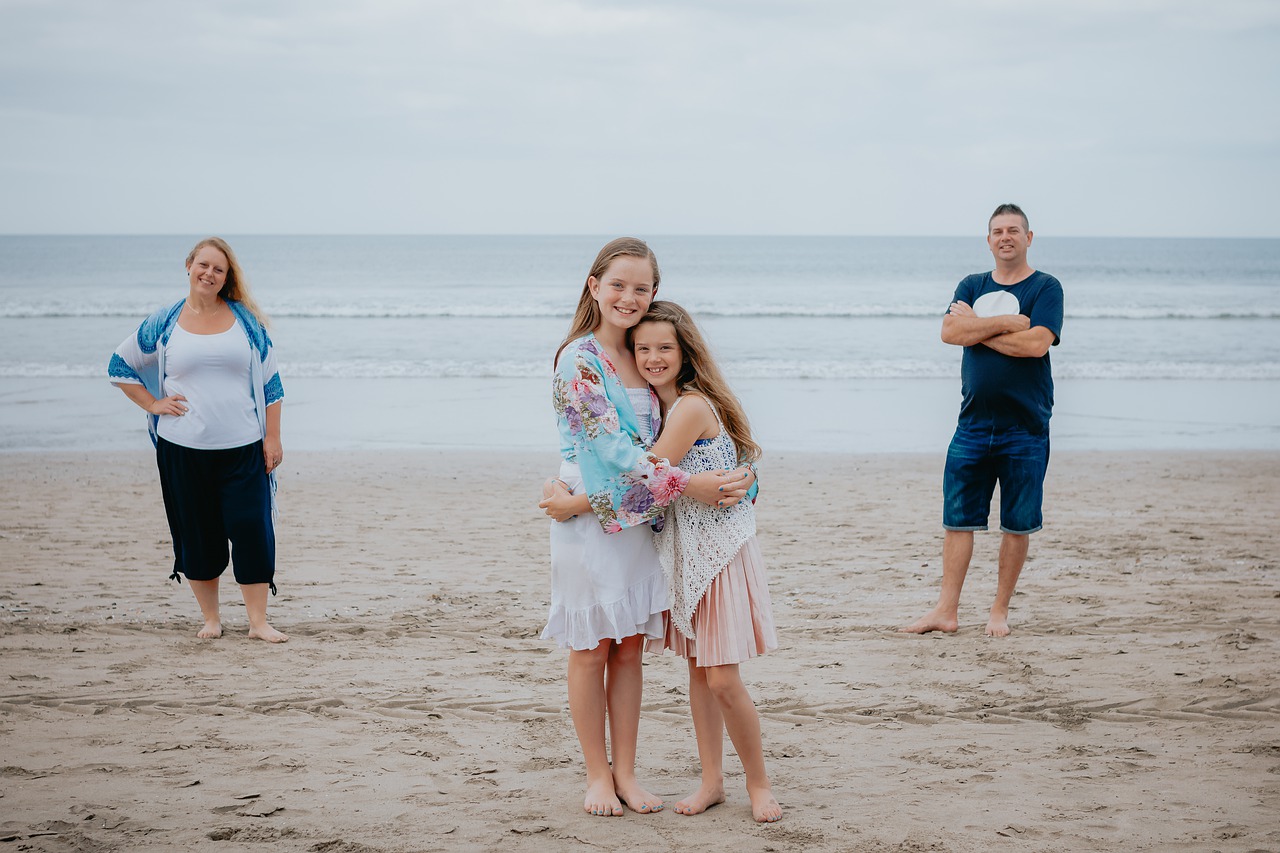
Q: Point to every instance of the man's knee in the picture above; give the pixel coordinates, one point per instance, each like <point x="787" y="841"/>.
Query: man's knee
<point x="1015" y="543"/>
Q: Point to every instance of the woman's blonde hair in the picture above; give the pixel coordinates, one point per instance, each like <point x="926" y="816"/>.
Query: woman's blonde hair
<point x="587" y="317"/>
<point x="699" y="373"/>
<point x="237" y="286"/>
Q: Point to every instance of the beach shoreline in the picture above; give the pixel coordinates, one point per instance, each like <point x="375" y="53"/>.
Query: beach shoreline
<point x="420" y="414"/>
<point x="1134" y="707"/>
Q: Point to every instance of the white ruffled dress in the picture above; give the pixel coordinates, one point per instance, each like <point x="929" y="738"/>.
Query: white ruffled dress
<point x="604" y="586"/>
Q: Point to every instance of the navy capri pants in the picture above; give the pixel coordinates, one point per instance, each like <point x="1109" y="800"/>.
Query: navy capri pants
<point x="219" y="508"/>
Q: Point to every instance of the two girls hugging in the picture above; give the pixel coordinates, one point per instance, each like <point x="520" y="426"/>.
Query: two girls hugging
<point x="650" y="554"/>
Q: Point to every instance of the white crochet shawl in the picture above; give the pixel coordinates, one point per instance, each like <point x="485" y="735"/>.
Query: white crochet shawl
<point x="699" y="541"/>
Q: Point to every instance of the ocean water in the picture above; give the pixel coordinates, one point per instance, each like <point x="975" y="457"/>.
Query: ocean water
<point x="832" y="342"/>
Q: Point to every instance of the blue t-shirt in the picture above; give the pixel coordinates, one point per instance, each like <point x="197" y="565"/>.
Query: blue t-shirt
<point x="1002" y="390"/>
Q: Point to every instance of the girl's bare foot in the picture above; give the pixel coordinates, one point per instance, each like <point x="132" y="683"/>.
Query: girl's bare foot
<point x="210" y="631"/>
<point x="764" y="808"/>
<point x="601" y="799"/>
<point x="637" y="799"/>
<point x="699" y="801"/>
<point x="266" y="632"/>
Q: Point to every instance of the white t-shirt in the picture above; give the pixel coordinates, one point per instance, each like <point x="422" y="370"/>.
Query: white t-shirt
<point x="213" y="373"/>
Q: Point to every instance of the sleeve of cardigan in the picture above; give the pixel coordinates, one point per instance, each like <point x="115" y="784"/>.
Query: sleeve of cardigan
<point x="627" y="485"/>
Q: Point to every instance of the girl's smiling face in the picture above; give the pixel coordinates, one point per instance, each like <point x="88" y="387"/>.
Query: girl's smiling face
<point x="657" y="351"/>
<point x="624" y="291"/>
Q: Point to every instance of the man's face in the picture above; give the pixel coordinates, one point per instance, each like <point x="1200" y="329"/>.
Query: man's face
<point x="1008" y="239"/>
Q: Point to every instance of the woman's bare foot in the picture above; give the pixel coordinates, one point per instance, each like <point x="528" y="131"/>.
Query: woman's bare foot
<point x="266" y="632"/>
<point x="210" y="631"/>
<point x="637" y="799"/>
<point x="764" y="808"/>
<point x="601" y="799"/>
<point x="934" y="620"/>
<point x="699" y="801"/>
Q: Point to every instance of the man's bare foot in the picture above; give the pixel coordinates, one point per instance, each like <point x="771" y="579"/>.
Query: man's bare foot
<point x="707" y="795"/>
<point x="998" y="625"/>
<point x="934" y="620"/>
<point x="601" y="799"/>
<point x="764" y="808"/>
<point x="636" y="798"/>
<point x="210" y="631"/>
<point x="266" y="632"/>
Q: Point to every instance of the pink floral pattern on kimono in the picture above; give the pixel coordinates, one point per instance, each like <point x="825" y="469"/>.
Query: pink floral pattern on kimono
<point x="627" y="485"/>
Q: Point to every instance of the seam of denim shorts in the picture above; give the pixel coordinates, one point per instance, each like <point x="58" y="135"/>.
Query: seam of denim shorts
<point x="1035" y="529"/>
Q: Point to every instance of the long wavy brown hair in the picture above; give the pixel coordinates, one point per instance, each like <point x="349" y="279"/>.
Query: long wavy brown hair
<point x="236" y="286"/>
<point x="699" y="373"/>
<point x="588" y="317"/>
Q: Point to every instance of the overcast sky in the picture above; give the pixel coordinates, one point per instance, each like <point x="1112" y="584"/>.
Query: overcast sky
<point x="697" y="117"/>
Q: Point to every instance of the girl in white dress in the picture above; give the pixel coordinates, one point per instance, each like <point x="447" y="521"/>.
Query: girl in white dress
<point x="608" y="592"/>
<point x="720" y="609"/>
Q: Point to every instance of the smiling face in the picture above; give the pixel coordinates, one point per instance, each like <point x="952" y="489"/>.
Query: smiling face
<point x="1009" y="239"/>
<point x="208" y="271"/>
<point x="623" y="291"/>
<point x="657" y="351"/>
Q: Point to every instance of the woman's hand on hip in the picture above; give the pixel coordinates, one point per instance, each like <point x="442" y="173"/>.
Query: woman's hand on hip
<point x="171" y="405"/>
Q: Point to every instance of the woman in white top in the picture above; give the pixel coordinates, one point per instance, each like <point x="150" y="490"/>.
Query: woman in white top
<point x="204" y="371"/>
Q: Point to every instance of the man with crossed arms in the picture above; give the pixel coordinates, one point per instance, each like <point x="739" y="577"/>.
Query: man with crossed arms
<point x="1006" y="320"/>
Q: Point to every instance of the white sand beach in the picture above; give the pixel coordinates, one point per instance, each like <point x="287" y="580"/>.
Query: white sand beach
<point x="1135" y="706"/>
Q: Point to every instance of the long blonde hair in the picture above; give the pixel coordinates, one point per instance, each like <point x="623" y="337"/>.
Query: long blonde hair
<point x="587" y="317"/>
<point x="236" y="287"/>
<point x="699" y="373"/>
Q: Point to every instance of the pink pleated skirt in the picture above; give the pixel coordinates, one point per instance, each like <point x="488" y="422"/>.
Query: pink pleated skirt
<point x="734" y="620"/>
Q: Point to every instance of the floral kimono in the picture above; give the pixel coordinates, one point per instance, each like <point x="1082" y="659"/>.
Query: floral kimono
<point x="626" y="484"/>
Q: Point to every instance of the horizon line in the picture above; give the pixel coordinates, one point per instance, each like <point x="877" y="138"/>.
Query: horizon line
<point x="607" y="235"/>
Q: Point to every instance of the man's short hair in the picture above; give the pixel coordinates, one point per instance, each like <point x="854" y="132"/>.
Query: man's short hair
<point x="1010" y="208"/>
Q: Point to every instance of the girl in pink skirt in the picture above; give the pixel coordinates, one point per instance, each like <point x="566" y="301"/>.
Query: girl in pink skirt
<point x="720" y="613"/>
<point x="608" y="590"/>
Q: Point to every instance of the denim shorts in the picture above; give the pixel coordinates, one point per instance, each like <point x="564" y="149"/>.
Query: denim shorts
<point x="977" y="459"/>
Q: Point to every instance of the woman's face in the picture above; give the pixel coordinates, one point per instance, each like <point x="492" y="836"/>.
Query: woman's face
<point x="208" y="271"/>
<point x="624" y="291"/>
<point x="657" y="351"/>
